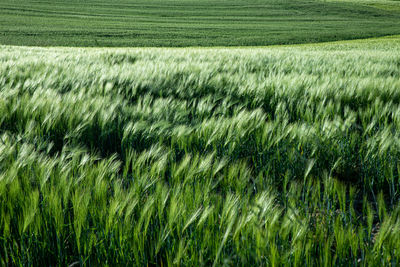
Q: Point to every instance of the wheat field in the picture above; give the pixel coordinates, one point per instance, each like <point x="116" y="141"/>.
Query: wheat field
<point x="209" y="156"/>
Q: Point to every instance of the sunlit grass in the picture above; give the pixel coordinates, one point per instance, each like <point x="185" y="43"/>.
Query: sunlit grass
<point x="262" y="156"/>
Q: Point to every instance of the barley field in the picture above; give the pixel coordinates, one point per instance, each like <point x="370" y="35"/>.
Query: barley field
<point x="284" y="155"/>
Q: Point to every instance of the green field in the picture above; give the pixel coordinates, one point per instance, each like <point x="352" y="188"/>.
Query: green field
<point x="199" y="157"/>
<point x="205" y="155"/>
<point x="153" y="23"/>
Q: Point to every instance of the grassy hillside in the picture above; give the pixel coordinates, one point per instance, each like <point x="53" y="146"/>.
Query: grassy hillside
<point x="189" y="22"/>
<point x="282" y="155"/>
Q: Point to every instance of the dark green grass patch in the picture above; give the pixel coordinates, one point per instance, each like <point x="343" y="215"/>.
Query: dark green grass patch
<point x="188" y="23"/>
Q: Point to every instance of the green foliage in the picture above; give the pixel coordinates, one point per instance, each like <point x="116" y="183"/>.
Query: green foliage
<point x="269" y="156"/>
<point x="160" y="23"/>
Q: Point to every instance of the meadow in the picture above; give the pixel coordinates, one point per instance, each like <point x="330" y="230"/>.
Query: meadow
<point x="172" y="23"/>
<point x="208" y="156"/>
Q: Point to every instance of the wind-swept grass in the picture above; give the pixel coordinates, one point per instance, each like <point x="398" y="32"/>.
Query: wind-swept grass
<point x="281" y="155"/>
